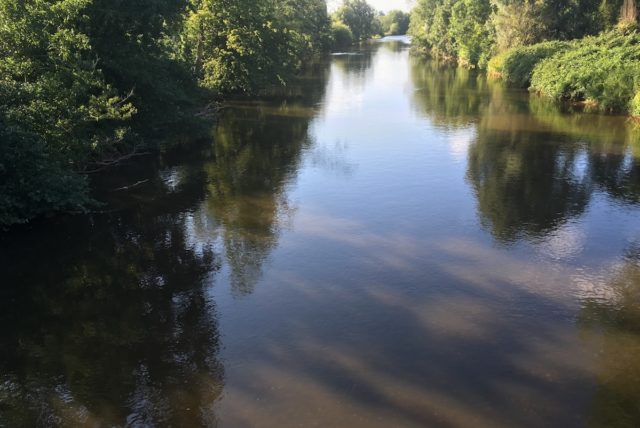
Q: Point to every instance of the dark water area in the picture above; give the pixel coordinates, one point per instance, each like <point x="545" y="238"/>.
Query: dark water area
<point x="392" y="243"/>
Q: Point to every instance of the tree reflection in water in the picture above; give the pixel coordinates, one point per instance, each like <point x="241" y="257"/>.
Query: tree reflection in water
<point x="121" y="329"/>
<point x="257" y="153"/>
<point x="115" y="330"/>
<point x="531" y="166"/>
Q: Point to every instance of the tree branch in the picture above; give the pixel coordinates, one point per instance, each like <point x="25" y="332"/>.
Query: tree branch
<point x="108" y="163"/>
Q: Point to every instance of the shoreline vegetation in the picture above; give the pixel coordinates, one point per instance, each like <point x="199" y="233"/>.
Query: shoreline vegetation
<point x="88" y="84"/>
<point x="584" y="52"/>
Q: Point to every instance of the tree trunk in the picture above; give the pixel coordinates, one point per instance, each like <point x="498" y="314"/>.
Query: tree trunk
<point x="629" y="12"/>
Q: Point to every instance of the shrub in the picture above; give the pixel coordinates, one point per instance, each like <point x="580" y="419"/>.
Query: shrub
<point x="34" y="181"/>
<point x="603" y="70"/>
<point x="341" y="36"/>
<point x="516" y="65"/>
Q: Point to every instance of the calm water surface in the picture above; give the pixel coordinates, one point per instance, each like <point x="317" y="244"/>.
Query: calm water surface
<point x="394" y="243"/>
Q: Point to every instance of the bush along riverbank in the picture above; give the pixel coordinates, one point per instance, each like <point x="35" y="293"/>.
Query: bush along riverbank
<point x="602" y="72"/>
<point x="581" y="51"/>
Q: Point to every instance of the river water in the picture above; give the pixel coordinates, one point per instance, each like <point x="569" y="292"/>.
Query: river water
<point x="392" y="243"/>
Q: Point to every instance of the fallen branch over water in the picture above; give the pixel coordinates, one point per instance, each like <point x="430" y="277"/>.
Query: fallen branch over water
<point x="108" y="163"/>
<point x="131" y="186"/>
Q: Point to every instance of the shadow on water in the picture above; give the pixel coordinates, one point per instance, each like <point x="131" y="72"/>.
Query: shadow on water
<point x="451" y="356"/>
<point x="108" y="319"/>
<point x="611" y="318"/>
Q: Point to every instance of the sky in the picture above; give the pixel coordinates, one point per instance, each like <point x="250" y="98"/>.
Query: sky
<point x="383" y="5"/>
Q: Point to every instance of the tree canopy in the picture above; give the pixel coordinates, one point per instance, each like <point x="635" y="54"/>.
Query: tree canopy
<point x="359" y="16"/>
<point x="82" y="81"/>
<point x="394" y="23"/>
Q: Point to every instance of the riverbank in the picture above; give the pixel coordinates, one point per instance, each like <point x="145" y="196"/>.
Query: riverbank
<point x="599" y="72"/>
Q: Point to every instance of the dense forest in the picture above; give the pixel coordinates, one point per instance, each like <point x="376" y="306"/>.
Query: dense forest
<point x="585" y="51"/>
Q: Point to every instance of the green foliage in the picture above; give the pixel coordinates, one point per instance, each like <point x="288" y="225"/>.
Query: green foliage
<point x="33" y="181"/>
<point x="341" y="36"/>
<point x="603" y="70"/>
<point x="471" y="31"/>
<point x="517" y="24"/>
<point x="131" y="39"/>
<point x="308" y="18"/>
<point x="56" y="110"/>
<point x="241" y="45"/>
<point x="394" y="23"/>
<point x="516" y="65"/>
<point x="74" y="73"/>
<point x="452" y="29"/>
<point x="360" y="17"/>
<point x="635" y="105"/>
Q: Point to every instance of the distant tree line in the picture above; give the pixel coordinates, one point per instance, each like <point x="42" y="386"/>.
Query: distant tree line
<point x="356" y="20"/>
<point x="83" y="81"/>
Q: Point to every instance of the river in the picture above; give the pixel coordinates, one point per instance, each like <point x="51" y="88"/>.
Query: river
<point x="391" y="243"/>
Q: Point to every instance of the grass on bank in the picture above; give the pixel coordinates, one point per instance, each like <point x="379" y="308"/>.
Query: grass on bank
<point x="602" y="71"/>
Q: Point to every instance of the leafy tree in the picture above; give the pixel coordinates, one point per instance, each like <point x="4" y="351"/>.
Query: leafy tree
<point x="395" y="22"/>
<point x="137" y="46"/>
<point x="471" y="30"/>
<point x="516" y="24"/>
<point x="73" y="73"/>
<point x="34" y="181"/>
<point x="341" y="36"/>
<point x="56" y="110"/>
<point x="470" y="27"/>
<point x="240" y="45"/>
<point x="359" y="16"/>
<point x="308" y="18"/>
<point x="430" y="23"/>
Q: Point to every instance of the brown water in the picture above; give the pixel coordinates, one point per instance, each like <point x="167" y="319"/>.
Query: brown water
<point x="393" y="244"/>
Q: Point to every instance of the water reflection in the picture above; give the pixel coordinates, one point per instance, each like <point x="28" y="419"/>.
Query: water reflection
<point x="120" y="328"/>
<point x="526" y="184"/>
<point x="611" y="319"/>
<point x="532" y="175"/>
<point x="115" y="329"/>
<point x="532" y="166"/>
<point x="257" y="154"/>
<point x="449" y="96"/>
<point x="334" y="246"/>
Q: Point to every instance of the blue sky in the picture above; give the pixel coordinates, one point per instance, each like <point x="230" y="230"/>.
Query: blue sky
<point x="384" y="5"/>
